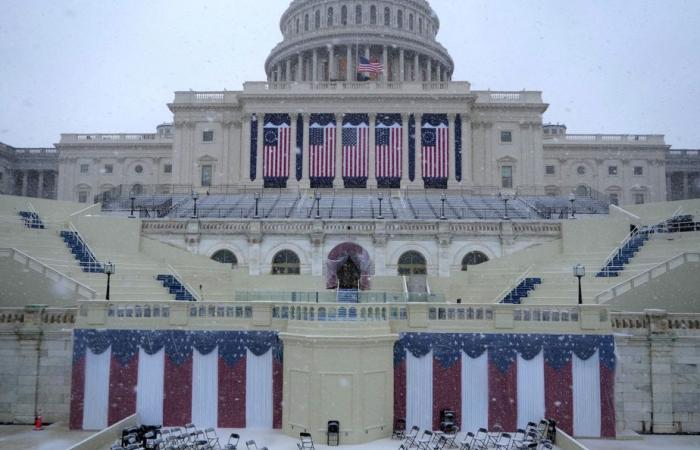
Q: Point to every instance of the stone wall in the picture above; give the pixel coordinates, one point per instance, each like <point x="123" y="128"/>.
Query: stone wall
<point x="657" y="386"/>
<point x="35" y="353"/>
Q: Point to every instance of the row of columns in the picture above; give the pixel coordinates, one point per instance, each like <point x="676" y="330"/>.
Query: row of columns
<point x="372" y="177"/>
<point x="307" y="66"/>
<point x="24" y="187"/>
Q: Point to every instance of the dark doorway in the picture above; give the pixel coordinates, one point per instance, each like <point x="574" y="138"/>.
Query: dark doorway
<point x="348" y="275"/>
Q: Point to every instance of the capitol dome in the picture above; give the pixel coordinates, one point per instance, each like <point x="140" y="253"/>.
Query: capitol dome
<point x="323" y="40"/>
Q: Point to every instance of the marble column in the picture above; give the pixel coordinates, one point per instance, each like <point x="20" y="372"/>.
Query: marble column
<point x="429" y="70"/>
<point x="338" y="180"/>
<point x="331" y="63"/>
<point x="385" y="61"/>
<point x="418" y="181"/>
<point x="292" y="180"/>
<point x="305" y="182"/>
<point x="40" y="185"/>
<point x="244" y="168"/>
<point x="259" y="152"/>
<point x="466" y="149"/>
<point x="25" y="182"/>
<point x="288" y="70"/>
<point x="372" y="166"/>
<point x="348" y="63"/>
<point x="416" y="67"/>
<point x="314" y="65"/>
<point x="402" y="75"/>
<point x="300" y="67"/>
<point x="451" y="160"/>
<point x="405" y="181"/>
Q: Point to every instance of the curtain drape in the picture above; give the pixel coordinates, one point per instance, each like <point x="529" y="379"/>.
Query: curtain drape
<point x="205" y="388"/>
<point x="149" y="390"/>
<point x="530" y="390"/>
<point x="419" y="391"/>
<point x="586" y="376"/>
<point x="96" y="407"/>
<point x="258" y="404"/>
<point x="475" y="392"/>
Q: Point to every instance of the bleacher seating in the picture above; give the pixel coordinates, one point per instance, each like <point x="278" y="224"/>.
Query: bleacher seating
<point x="171" y="283"/>
<point x="32" y="220"/>
<point x="521" y="290"/>
<point x="348" y="296"/>
<point x="623" y="255"/>
<point x="82" y="253"/>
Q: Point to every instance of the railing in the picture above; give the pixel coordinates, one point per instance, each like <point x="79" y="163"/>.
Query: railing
<point x="184" y="283"/>
<point x="408" y="87"/>
<point x="508" y="96"/>
<point x="331" y="297"/>
<point x="37" y="315"/>
<point x="114" y="137"/>
<point x="647" y="139"/>
<point x="399" y="316"/>
<point x="49" y="272"/>
<point x="501" y="295"/>
<point x="656" y="321"/>
<point x="646" y="276"/>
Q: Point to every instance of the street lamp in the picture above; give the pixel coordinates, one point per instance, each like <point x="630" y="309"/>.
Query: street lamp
<point x="380" y="197"/>
<point x="110" y="269"/>
<point x="572" y="199"/>
<point x="579" y="272"/>
<point x="132" y="198"/>
<point x="505" y="199"/>
<point x="257" y="200"/>
<point x="442" y="206"/>
<point x="195" y="196"/>
<point x="317" y="196"/>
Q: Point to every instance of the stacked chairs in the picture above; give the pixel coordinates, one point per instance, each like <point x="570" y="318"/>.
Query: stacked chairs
<point x="175" y="287"/>
<point x="32" y="220"/>
<point x="187" y="438"/>
<point x="87" y="260"/>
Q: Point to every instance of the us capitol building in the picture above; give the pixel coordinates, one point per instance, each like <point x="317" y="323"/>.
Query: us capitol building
<point x="412" y="126"/>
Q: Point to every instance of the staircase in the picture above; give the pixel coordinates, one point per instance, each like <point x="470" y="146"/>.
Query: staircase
<point x="32" y="220"/>
<point x="174" y="287"/>
<point x="622" y="255"/>
<point x="82" y="252"/>
<point x="522" y="290"/>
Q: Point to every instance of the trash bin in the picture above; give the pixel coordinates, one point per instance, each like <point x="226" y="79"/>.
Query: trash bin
<point x="333" y="432"/>
<point x="448" y="420"/>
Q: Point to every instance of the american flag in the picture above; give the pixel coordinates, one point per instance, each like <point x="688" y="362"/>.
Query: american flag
<point x="276" y="151"/>
<point x="367" y="66"/>
<point x="355" y="150"/>
<point x="435" y="151"/>
<point x="388" y="150"/>
<point x="322" y="151"/>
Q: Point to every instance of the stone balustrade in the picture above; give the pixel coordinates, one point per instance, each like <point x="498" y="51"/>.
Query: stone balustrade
<point x="35" y="316"/>
<point x="656" y="321"/>
<point x="345" y="87"/>
<point x="508" y="96"/>
<point x="74" y="138"/>
<point x="617" y="139"/>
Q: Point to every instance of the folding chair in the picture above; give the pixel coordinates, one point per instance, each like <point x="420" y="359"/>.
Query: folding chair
<point x="409" y="439"/>
<point x="495" y="435"/>
<point x="306" y="441"/>
<point x="504" y="441"/>
<point x="481" y="438"/>
<point x="440" y="444"/>
<point x="212" y="439"/>
<point x="424" y="441"/>
<point x="251" y="445"/>
<point x="232" y="443"/>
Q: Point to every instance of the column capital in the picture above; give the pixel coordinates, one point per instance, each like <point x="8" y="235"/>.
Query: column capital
<point x="372" y="116"/>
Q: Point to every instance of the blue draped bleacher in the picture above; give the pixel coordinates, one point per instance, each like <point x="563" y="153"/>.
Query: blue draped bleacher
<point x="521" y="290"/>
<point x="88" y="262"/>
<point x="175" y="287"/>
<point x="31" y="220"/>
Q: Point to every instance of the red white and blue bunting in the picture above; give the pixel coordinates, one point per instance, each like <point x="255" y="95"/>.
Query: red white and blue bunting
<point x="228" y="379"/>
<point x="506" y="379"/>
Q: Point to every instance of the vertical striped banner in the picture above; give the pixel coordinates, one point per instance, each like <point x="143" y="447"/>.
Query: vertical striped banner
<point x="435" y="149"/>
<point x="447" y="389"/>
<point x="355" y="150"/>
<point x="122" y="388"/>
<point x="96" y="408"/>
<point x="232" y="394"/>
<point x="322" y="151"/>
<point x="205" y="388"/>
<point x="177" y="392"/>
<point x="389" y="143"/>
<point x="276" y="150"/>
<point x="149" y="390"/>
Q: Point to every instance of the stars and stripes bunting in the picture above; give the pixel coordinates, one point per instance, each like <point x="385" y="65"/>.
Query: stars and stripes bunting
<point x="388" y="150"/>
<point x="355" y="150"/>
<point x="276" y="150"/>
<point x="435" y="150"/>
<point x="322" y="150"/>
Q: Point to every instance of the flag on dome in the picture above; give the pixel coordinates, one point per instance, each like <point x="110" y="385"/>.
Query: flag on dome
<point x="368" y="66"/>
<point x="355" y="150"/>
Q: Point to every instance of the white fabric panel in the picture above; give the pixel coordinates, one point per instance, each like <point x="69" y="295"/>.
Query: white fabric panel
<point x="419" y="391"/>
<point x="96" y="406"/>
<point x="586" y="377"/>
<point x="475" y="392"/>
<point x="149" y="390"/>
<point x="258" y="384"/>
<point x="205" y="388"/>
<point x="530" y="390"/>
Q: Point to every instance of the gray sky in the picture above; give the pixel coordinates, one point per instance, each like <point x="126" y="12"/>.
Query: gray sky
<point x="604" y="66"/>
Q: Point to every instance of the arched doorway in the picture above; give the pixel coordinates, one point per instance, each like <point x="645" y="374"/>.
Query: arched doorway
<point x="412" y="263"/>
<point x="472" y="259"/>
<point x="348" y="275"/>
<point x="348" y="265"/>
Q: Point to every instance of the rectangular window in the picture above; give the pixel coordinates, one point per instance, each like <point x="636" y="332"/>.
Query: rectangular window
<point x="549" y="170"/>
<point x="638" y="170"/>
<point x="168" y="168"/>
<point x="208" y="136"/>
<point x="109" y="168"/>
<point x="206" y="175"/>
<point x="612" y="170"/>
<point x="506" y="136"/>
<point x="84" y="168"/>
<point x="638" y="199"/>
<point x="507" y="176"/>
<point x="82" y="197"/>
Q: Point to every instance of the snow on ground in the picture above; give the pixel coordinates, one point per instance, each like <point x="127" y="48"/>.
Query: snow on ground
<point x="54" y="437"/>
<point x="646" y="443"/>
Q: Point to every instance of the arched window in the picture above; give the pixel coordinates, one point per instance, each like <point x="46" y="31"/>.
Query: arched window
<point x="306" y="22"/>
<point x="399" y="19"/>
<point x="387" y="16"/>
<point x="373" y="15"/>
<point x="137" y="189"/>
<point x="329" y="21"/>
<point x="358" y="15"/>
<point x="583" y="191"/>
<point x="285" y="262"/>
<point x="344" y="15"/>
<point x="317" y="19"/>
<point x="473" y="259"/>
<point x="412" y="263"/>
<point x="225" y="257"/>
<point x="410" y="22"/>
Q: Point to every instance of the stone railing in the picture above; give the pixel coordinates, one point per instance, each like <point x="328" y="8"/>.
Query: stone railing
<point x="115" y="137"/>
<point x="508" y="96"/>
<point x="646" y="276"/>
<point x="645" y="139"/>
<point x="360" y="87"/>
<point x="400" y="316"/>
<point x="37" y="316"/>
<point x="206" y="97"/>
<point x="655" y="321"/>
<point x="37" y="152"/>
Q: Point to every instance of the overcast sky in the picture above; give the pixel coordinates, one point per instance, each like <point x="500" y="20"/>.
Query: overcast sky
<point x="604" y="66"/>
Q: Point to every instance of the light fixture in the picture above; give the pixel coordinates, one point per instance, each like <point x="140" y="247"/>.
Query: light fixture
<point x="579" y="272"/>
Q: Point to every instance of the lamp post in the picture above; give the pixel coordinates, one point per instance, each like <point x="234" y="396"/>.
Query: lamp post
<point x="443" y="197"/>
<point x="505" y="199"/>
<point x="109" y="269"/>
<point x="572" y="199"/>
<point x="257" y="200"/>
<point x="579" y="272"/>
<point x="132" y="198"/>
<point x="380" y="197"/>
<point x="317" y="196"/>
<point x="195" y="196"/>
